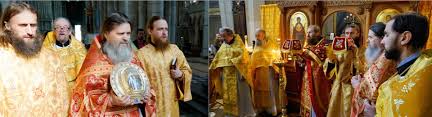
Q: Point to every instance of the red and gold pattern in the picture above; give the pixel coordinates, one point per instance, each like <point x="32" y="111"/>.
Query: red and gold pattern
<point x="339" y="44"/>
<point x="316" y="87"/>
<point x="287" y="44"/>
<point x="91" y="94"/>
<point x="296" y="45"/>
<point x="379" y="71"/>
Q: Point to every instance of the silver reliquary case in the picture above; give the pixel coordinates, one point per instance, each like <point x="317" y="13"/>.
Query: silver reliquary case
<point x="128" y="79"/>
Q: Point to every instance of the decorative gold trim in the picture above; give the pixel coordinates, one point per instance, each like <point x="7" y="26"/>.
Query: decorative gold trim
<point x="128" y="79"/>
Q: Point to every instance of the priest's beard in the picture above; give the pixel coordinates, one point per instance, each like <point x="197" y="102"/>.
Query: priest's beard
<point x="26" y="49"/>
<point x="161" y="45"/>
<point x="372" y="53"/>
<point x="314" y="40"/>
<point x="62" y="39"/>
<point x="121" y="53"/>
<point x="260" y="42"/>
<point x="392" y="54"/>
<point x="357" y="42"/>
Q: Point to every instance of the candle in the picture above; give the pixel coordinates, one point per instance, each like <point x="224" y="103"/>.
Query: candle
<point x="246" y="41"/>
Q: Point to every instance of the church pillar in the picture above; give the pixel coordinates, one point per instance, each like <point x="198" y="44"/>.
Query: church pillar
<point x="226" y="13"/>
<point x="205" y="38"/>
<point x="367" y="24"/>
<point x="253" y="17"/>
<point x="155" y="8"/>
<point x="141" y="13"/>
<point x="172" y="21"/>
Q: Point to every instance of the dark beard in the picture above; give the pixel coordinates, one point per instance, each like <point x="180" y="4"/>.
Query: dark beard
<point x="357" y="42"/>
<point x="392" y="54"/>
<point x="159" y="45"/>
<point x="24" y="49"/>
<point x="314" y="40"/>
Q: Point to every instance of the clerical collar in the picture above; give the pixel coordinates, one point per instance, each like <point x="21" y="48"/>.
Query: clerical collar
<point x="59" y="44"/>
<point x="404" y="64"/>
<point x="231" y="42"/>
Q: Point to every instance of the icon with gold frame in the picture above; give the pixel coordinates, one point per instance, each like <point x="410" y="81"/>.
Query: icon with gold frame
<point x="128" y="79"/>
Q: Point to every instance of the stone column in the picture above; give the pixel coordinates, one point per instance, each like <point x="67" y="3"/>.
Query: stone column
<point x="226" y="13"/>
<point x="155" y="8"/>
<point x="253" y="18"/>
<point x="141" y="15"/>
<point x="172" y="21"/>
<point x="205" y="42"/>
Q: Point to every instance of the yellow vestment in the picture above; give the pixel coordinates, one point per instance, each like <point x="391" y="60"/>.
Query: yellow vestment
<point x="156" y="64"/>
<point x="229" y="59"/>
<point x="409" y="95"/>
<point x="348" y="63"/>
<point x="32" y="87"/>
<point x="260" y="68"/>
<point x="71" y="56"/>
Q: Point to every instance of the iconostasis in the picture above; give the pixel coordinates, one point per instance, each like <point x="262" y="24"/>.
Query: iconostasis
<point x="289" y="24"/>
<point x="333" y="16"/>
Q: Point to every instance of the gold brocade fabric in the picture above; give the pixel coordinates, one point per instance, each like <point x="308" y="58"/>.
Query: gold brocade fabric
<point x="229" y="59"/>
<point x="270" y="22"/>
<point x="92" y="93"/>
<point x="230" y="96"/>
<point x="262" y="56"/>
<point x="157" y="66"/>
<point x="32" y="87"/>
<point x="232" y="55"/>
<point x="348" y="62"/>
<point x="340" y="98"/>
<point x="71" y="57"/>
<point x="360" y="60"/>
<point x="315" y="89"/>
<point x="425" y="8"/>
<point x="409" y="95"/>
<point x="261" y="59"/>
<point x="378" y="72"/>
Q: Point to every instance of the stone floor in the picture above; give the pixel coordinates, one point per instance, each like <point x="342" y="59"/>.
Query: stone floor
<point x="198" y="106"/>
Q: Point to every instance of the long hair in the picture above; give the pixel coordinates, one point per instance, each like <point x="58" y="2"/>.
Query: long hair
<point x="378" y="29"/>
<point x="10" y="11"/>
<point x="149" y="25"/>
<point x="114" y="20"/>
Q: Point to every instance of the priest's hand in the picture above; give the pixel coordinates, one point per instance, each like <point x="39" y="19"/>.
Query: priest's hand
<point x="355" y="81"/>
<point x="369" y="109"/>
<point x="120" y="101"/>
<point x="147" y="97"/>
<point x="176" y="73"/>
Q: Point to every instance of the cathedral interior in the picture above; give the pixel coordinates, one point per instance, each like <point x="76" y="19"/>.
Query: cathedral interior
<point x="288" y="20"/>
<point x="199" y="28"/>
<point x="187" y="29"/>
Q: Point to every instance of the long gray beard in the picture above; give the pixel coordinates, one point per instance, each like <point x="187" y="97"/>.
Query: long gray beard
<point x="260" y="43"/>
<point x="118" y="54"/>
<point x="372" y="53"/>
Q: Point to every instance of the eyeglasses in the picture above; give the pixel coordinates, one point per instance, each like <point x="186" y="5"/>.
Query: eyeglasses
<point x="62" y="28"/>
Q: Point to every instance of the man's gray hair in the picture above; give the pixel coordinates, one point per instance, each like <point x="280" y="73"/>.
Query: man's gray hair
<point x="258" y="30"/>
<point x="226" y="30"/>
<point x="58" y="19"/>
